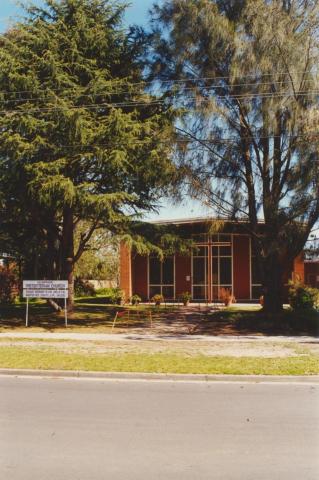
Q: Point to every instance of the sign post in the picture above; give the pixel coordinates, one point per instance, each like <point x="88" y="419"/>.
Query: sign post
<point x="45" y="289"/>
<point x="27" y="314"/>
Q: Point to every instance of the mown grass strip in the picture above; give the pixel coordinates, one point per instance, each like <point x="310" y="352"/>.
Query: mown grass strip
<point x="17" y="357"/>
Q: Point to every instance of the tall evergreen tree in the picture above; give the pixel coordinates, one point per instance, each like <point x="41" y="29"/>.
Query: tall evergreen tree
<point x="247" y="77"/>
<point x="80" y="140"/>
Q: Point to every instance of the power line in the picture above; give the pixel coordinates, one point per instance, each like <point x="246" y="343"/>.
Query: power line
<point x="194" y="80"/>
<point x="139" y="103"/>
<point x="174" y="141"/>
<point x="154" y="93"/>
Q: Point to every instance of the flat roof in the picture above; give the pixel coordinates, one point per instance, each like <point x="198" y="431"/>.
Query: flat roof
<point x="181" y="221"/>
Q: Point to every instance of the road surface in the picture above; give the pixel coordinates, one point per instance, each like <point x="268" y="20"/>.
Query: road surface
<point x="87" y="429"/>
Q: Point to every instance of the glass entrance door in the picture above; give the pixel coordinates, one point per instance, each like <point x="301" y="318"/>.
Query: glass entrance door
<point x="212" y="268"/>
<point x="200" y="273"/>
<point x="221" y="264"/>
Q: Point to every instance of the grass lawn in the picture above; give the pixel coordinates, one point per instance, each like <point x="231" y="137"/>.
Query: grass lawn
<point x="48" y="359"/>
<point x="92" y="315"/>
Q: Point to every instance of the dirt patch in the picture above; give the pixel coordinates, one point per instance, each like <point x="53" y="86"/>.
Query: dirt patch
<point x="236" y="348"/>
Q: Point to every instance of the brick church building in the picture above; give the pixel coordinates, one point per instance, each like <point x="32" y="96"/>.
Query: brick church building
<point x="219" y="260"/>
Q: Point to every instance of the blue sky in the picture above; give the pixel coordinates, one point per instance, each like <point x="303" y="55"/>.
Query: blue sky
<point x="137" y="13"/>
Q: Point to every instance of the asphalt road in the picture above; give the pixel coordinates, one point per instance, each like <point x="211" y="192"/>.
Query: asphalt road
<point x="67" y="429"/>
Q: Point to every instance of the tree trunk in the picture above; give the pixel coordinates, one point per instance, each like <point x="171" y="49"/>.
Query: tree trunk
<point x="52" y="261"/>
<point x="52" y="253"/>
<point x="54" y="305"/>
<point x="68" y="253"/>
<point x="273" y="288"/>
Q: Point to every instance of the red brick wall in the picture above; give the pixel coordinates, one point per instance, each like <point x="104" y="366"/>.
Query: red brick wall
<point x="182" y="270"/>
<point x="299" y="268"/>
<point x="139" y="276"/>
<point x="241" y="267"/>
<point x="125" y="270"/>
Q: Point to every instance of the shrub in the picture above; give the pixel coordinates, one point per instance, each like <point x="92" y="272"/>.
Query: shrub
<point x="157" y="299"/>
<point x="9" y="285"/>
<point x="302" y="297"/>
<point x="226" y="296"/>
<point x="135" y="299"/>
<point x="102" y="291"/>
<point x="113" y="296"/>
<point x="83" y="288"/>
<point x="185" y="297"/>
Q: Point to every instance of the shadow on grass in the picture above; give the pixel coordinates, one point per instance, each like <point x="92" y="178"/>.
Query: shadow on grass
<point x="86" y="315"/>
<point x="287" y="323"/>
<point x="41" y="315"/>
<point x="162" y="321"/>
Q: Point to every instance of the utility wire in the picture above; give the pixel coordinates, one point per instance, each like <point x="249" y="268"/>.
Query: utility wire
<point x="153" y="93"/>
<point x="153" y="102"/>
<point x="194" y="80"/>
<point x="171" y="142"/>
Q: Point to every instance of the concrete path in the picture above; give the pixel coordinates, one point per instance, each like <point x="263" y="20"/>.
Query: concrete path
<point x="121" y="336"/>
<point x="58" y="429"/>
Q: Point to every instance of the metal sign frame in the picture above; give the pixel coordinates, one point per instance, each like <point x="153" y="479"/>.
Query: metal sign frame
<point x="46" y="289"/>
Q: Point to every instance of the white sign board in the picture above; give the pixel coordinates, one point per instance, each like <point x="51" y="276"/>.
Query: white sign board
<point x="45" y="289"/>
<point x="45" y="284"/>
<point x="45" y="293"/>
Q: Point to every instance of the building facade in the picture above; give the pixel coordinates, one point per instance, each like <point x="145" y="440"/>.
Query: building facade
<point x="218" y="261"/>
<point x="312" y="273"/>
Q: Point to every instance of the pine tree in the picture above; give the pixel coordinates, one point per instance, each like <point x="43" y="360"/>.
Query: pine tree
<point x="80" y="140"/>
<point x="247" y="76"/>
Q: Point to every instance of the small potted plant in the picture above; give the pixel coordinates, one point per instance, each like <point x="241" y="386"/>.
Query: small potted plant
<point x="157" y="299"/>
<point x="135" y="299"/>
<point x="227" y="297"/>
<point x="185" y="298"/>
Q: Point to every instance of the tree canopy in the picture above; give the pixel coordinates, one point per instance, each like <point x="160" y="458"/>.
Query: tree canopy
<point x="80" y="140"/>
<point x="246" y="75"/>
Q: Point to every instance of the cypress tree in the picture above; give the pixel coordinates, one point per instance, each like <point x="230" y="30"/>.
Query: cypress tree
<point x="80" y="139"/>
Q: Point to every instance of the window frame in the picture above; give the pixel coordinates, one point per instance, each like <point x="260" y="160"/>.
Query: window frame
<point x="221" y="242"/>
<point x="161" y="285"/>
<point x="252" y="285"/>
<point x="205" y="284"/>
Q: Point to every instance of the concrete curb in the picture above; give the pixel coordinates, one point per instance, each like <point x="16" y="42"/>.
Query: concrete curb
<point x="159" y="376"/>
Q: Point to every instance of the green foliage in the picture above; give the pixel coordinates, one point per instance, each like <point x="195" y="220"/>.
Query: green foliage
<point x="157" y="299"/>
<point x="185" y="297"/>
<point x="245" y="75"/>
<point x="100" y="260"/>
<point x="83" y="288"/>
<point x="9" y="285"/>
<point x="82" y="143"/>
<point x="302" y="297"/>
<point x="111" y="296"/>
<point x="135" y="299"/>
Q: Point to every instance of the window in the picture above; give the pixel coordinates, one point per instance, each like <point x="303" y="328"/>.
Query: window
<point x="199" y="282"/>
<point x="221" y="238"/>
<point x="199" y="270"/>
<point x="161" y="277"/>
<point x="256" y="287"/>
<point x="221" y="264"/>
<point x="200" y="238"/>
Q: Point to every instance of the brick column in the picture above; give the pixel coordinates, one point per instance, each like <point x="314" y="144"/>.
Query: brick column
<point x="299" y="268"/>
<point x="125" y="270"/>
